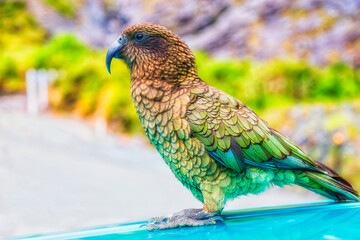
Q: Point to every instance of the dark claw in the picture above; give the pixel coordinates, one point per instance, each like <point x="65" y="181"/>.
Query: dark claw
<point x="154" y="222"/>
<point x="218" y="219"/>
<point x="144" y="225"/>
<point x="182" y="222"/>
<point x="187" y="217"/>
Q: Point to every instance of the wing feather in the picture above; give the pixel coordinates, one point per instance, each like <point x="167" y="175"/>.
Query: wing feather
<point x="235" y="136"/>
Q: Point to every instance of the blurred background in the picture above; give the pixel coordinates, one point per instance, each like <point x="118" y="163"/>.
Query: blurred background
<point x="72" y="151"/>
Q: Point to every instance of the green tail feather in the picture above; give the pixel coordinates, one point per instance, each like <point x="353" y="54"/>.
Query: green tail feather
<point x="330" y="185"/>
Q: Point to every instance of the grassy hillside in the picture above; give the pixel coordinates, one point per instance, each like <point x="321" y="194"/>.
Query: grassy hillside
<point x="85" y="87"/>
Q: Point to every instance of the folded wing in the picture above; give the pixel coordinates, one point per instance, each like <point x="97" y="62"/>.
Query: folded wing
<point x="235" y="136"/>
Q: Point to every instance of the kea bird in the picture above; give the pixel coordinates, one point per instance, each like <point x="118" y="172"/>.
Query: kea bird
<point x="215" y="145"/>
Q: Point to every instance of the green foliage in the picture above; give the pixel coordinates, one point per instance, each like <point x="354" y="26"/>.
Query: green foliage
<point x="19" y="37"/>
<point x="89" y="89"/>
<point x="18" y="28"/>
<point x="85" y="87"/>
<point x="279" y="82"/>
<point x="61" y="52"/>
<point x="65" y="7"/>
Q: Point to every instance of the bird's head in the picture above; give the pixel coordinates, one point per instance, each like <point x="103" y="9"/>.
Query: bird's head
<point x="152" y="51"/>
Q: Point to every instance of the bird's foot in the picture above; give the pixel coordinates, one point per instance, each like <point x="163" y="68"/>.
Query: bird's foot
<point x="187" y="217"/>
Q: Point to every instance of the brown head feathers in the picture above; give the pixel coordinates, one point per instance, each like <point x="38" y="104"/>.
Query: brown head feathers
<point x="153" y="52"/>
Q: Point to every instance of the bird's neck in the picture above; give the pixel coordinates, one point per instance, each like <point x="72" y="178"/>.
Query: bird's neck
<point x="167" y="69"/>
<point x="151" y="90"/>
<point x="157" y="100"/>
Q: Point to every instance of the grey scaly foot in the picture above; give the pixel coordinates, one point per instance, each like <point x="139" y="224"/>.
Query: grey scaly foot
<point x="187" y="217"/>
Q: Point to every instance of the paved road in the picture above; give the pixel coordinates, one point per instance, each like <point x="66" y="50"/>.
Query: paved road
<point x="56" y="175"/>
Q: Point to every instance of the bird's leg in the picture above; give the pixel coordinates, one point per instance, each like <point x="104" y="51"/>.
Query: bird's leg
<point x="186" y="217"/>
<point x="213" y="205"/>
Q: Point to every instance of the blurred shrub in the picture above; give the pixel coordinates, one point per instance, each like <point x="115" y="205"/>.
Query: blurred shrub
<point x="19" y="37"/>
<point x="85" y="87"/>
<point x="18" y="28"/>
<point x="279" y="82"/>
<point x="329" y="132"/>
<point x="65" y="7"/>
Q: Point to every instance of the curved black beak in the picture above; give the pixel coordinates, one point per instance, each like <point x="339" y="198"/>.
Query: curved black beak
<point x="113" y="52"/>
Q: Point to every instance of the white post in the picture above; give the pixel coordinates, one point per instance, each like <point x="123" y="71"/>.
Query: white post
<point x="42" y="79"/>
<point x="31" y="92"/>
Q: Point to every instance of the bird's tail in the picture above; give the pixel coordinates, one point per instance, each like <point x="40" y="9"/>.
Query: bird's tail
<point x="329" y="184"/>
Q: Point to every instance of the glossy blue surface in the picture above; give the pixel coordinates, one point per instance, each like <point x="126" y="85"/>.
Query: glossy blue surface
<point x="311" y="221"/>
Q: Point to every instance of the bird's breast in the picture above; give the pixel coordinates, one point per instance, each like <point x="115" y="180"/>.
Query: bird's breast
<point x="162" y="113"/>
<point x="161" y="110"/>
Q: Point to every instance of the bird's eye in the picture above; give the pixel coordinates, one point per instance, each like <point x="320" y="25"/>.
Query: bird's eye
<point x="139" y="37"/>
